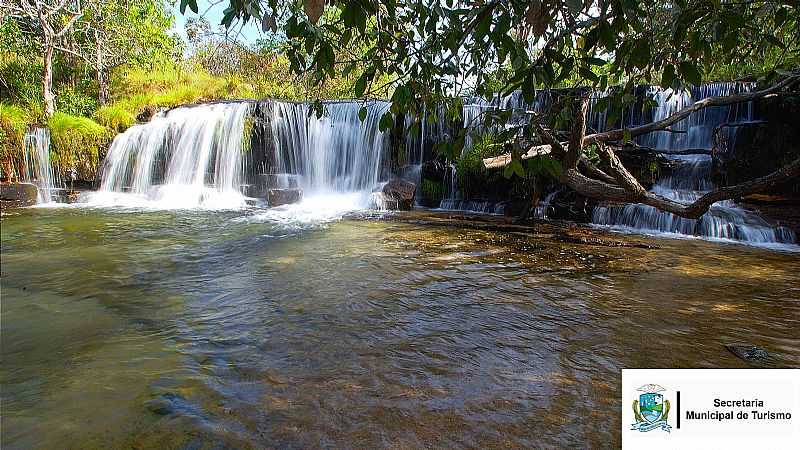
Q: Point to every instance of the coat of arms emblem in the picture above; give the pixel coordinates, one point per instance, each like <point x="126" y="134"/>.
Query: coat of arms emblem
<point x="651" y="410"/>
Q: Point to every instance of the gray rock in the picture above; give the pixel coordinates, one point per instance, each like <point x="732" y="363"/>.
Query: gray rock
<point x="15" y="195"/>
<point x="749" y="353"/>
<point x="398" y="194"/>
<point x="277" y="197"/>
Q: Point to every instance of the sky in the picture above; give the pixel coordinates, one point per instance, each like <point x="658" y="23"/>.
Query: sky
<point x="213" y="13"/>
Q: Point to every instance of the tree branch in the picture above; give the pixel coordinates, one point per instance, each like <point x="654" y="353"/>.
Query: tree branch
<point x="619" y="134"/>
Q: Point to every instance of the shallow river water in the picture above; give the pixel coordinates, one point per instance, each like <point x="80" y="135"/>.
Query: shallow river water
<point x="159" y="329"/>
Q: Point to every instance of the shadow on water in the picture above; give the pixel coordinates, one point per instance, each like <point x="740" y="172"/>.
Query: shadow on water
<point x="183" y="329"/>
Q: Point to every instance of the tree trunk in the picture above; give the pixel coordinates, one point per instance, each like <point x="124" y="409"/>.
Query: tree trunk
<point x="102" y="76"/>
<point x="47" y="81"/>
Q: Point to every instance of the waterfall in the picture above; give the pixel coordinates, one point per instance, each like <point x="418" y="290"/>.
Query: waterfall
<point x="542" y="209"/>
<point x="188" y="157"/>
<point x="692" y="176"/>
<point x="36" y="167"/>
<point x="337" y="153"/>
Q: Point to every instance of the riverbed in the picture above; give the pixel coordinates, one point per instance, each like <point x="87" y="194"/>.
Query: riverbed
<point x="130" y="328"/>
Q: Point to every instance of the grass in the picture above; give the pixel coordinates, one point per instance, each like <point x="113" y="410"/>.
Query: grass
<point x="14" y="121"/>
<point x="77" y="142"/>
<point x="114" y="117"/>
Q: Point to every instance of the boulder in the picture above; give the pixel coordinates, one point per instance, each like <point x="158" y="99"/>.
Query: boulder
<point x="278" y="197"/>
<point x="398" y="194"/>
<point x="15" y="195"/>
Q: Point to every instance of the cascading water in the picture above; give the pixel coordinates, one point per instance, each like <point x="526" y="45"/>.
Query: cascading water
<point x="37" y="168"/>
<point x="185" y="158"/>
<point x="337" y="160"/>
<point x="692" y="176"/>
<point x="542" y="210"/>
<point x="337" y="153"/>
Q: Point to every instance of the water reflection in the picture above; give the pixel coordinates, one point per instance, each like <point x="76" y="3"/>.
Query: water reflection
<point x="175" y="329"/>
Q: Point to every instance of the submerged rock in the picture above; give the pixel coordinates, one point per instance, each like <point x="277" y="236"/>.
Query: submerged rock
<point x="15" y="195"/>
<point x="397" y="194"/>
<point x="749" y="353"/>
<point x="278" y="197"/>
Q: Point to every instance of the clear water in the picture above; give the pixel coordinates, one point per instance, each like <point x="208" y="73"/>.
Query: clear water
<point x="239" y="329"/>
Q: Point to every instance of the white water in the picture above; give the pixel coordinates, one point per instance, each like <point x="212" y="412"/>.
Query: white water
<point x="190" y="157"/>
<point x="194" y="157"/>
<point x="542" y="210"/>
<point x="336" y="153"/>
<point x="37" y="168"/>
<point x="691" y="179"/>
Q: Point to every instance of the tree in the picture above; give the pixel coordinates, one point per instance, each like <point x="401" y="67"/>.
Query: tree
<point x="433" y="52"/>
<point x="49" y="22"/>
<point x="104" y="35"/>
<point x="124" y="32"/>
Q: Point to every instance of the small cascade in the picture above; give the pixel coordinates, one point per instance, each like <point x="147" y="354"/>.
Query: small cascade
<point x="37" y="168"/>
<point x="692" y="176"/>
<point x="542" y="209"/>
<point x="337" y="153"/>
<point x="187" y="157"/>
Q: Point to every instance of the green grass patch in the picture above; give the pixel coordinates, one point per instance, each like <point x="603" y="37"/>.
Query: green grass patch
<point x="115" y="117"/>
<point x="77" y="142"/>
<point x="14" y="120"/>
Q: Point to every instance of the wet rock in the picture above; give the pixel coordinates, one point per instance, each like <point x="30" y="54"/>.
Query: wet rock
<point x="147" y="113"/>
<point x="164" y="404"/>
<point x="434" y="170"/>
<point x="15" y="195"/>
<point x="749" y="353"/>
<point x="398" y="195"/>
<point x="279" y="180"/>
<point x="746" y="150"/>
<point x="277" y="197"/>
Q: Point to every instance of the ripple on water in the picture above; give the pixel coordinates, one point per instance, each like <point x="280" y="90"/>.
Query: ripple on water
<point x="176" y="328"/>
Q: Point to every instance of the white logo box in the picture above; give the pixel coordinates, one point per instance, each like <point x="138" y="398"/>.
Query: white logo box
<point x="712" y="408"/>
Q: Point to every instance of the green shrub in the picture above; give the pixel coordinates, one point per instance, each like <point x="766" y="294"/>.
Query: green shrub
<point x="75" y="101"/>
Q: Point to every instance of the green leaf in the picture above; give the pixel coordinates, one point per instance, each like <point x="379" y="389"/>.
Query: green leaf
<point x="514" y="168"/>
<point x="386" y="122"/>
<point x="361" y="84"/>
<point x="575" y="5"/>
<point x="529" y="89"/>
<point x="640" y="56"/>
<point x="667" y="76"/>
<point x="362" y="113"/>
<point x="690" y="73"/>
<point x="192" y="5"/>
